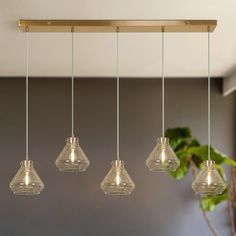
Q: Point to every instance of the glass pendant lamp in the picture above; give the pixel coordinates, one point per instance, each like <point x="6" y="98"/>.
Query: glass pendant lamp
<point x="162" y="158"/>
<point x="117" y="181"/>
<point x="72" y="158"/>
<point x="26" y="181"/>
<point x="208" y="180"/>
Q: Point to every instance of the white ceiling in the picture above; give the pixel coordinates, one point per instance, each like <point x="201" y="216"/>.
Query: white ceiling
<point x="50" y="55"/>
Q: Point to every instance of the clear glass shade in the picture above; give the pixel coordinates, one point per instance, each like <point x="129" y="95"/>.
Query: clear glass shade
<point x="26" y="181"/>
<point x="117" y="181"/>
<point x="162" y="158"/>
<point x="72" y="158"/>
<point x="209" y="181"/>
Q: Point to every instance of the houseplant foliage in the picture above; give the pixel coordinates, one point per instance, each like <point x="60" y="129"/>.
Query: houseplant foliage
<point x="191" y="155"/>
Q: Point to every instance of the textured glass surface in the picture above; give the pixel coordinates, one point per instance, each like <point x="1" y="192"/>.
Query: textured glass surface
<point x="209" y="181"/>
<point x="162" y="158"/>
<point x="117" y="181"/>
<point x="72" y="158"/>
<point x="26" y="181"/>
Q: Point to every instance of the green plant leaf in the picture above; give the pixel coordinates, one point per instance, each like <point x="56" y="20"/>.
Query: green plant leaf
<point x="230" y="162"/>
<point x="221" y="158"/>
<point x="194" y="143"/>
<point x="183" y="168"/>
<point x="221" y="171"/>
<point x="201" y="153"/>
<point x="179" y="132"/>
<point x="178" y="136"/>
<point x="209" y="203"/>
<point x="197" y="161"/>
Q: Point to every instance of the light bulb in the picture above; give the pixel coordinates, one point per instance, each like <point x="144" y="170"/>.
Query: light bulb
<point x="27" y="178"/>
<point x="72" y="155"/>
<point x="163" y="155"/>
<point x="117" y="181"/>
<point x="72" y="158"/>
<point x="162" y="158"/>
<point x="26" y="181"/>
<point x="209" y="181"/>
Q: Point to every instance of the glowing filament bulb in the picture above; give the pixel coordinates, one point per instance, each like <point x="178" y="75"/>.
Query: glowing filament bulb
<point x="163" y="155"/>
<point x="72" y="155"/>
<point x="27" y="178"/>
<point x="209" y="178"/>
<point x="118" y="179"/>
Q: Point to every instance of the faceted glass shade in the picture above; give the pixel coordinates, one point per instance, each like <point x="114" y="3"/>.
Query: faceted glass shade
<point x="26" y="181"/>
<point x="117" y="181"/>
<point x="209" y="181"/>
<point x="72" y="158"/>
<point x="162" y="158"/>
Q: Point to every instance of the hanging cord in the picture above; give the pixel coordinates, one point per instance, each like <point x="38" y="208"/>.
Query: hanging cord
<point x="209" y="98"/>
<point x="163" y="82"/>
<point x="72" y="82"/>
<point x="117" y="98"/>
<point x="27" y="97"/>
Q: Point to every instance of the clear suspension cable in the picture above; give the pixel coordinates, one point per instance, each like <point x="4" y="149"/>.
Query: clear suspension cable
<point x="163" y="82"/>
<point x="209" y="98"/>
<point x="72" y="82"/>
<point x="117" y="99"/>
<point x="27" y="98"/>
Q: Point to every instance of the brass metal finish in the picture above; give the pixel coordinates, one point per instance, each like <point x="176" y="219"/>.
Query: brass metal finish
<point x="208" y="29"/>
<point x="122" y="25"/>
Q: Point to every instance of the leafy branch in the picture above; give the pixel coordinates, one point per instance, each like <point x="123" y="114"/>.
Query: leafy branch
<point x="191" y="155"/>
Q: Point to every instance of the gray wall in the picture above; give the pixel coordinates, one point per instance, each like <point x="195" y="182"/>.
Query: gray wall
<point x="73" y="204"/>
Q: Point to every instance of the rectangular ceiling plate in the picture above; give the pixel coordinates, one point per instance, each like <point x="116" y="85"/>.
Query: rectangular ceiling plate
<point x="117" y="25"/>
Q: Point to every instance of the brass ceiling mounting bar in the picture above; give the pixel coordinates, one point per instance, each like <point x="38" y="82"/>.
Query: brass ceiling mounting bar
<point x="123" y="25"/>
<point x="208" y="29"/>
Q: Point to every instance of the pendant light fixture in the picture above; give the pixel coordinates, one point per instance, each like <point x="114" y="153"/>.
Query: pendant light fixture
<point x="26" y="181"/>
<point x="162" y="158"/>
<point x="72" y="158"/>
<point x="117" y="181"/>
<point x="209" y="181"/>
